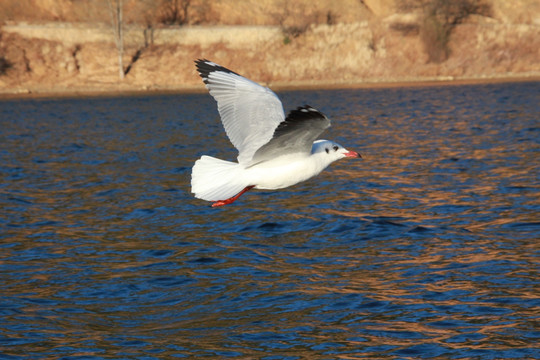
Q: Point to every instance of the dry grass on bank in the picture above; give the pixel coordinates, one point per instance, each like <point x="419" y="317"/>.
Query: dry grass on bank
<point x="320" y="50"/>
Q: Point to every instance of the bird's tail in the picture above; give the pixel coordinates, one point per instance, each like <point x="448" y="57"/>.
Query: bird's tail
<point x="214" y="179"/>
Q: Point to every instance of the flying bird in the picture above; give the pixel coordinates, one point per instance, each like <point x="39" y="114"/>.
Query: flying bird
<point x="274" y="151"/>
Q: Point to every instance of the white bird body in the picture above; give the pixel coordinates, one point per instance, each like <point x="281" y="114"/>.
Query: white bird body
<point x="274" y="152"/>
<point x="285" y="171"/>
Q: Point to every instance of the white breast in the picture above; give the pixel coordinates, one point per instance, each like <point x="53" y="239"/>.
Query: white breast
<point x="284" y="171"/>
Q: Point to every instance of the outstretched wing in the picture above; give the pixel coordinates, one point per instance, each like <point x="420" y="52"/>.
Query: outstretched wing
<point x="249" y="112"/>
<point x="294" y="135"/>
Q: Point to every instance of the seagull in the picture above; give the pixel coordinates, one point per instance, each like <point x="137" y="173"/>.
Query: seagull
<point x="274" y="151"/>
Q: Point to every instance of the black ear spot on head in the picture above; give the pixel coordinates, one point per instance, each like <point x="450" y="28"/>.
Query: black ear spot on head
<point x="335" y="148"/>
<point x="327" y="150"/>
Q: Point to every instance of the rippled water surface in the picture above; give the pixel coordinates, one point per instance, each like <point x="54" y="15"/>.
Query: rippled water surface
<point x="428" y="247"/>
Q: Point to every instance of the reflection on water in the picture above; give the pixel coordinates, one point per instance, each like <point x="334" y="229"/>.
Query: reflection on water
<point x="428" y="247"/>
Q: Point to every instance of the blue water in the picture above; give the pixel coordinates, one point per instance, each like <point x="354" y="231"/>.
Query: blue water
<point x="428" y="247"/>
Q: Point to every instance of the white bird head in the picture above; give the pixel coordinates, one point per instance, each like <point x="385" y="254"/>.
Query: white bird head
<point x="330" y="151"/>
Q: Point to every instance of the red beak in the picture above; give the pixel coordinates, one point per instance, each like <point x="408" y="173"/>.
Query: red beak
<point x="353" y="154"/>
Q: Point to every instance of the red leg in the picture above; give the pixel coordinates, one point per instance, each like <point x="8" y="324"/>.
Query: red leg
<point x="233" y="199"/>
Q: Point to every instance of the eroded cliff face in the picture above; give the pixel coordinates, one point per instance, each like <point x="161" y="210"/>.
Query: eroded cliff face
<point x="381" y="48"/>
<point x="244" y="12"/>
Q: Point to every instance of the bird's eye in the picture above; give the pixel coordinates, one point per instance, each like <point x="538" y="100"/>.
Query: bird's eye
<point x="335" y="148"/>
<point x="327" y="150"/>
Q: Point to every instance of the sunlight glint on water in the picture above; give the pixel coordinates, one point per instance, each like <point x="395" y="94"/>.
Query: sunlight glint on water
<point x="425" y="248"/>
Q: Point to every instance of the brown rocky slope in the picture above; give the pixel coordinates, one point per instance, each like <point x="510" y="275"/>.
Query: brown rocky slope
<point x="62" y="57"/>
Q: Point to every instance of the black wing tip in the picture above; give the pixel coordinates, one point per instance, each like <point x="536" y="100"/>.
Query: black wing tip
<point x="303" y="115"/>
<point x="205" y="67"/>
<point x="304" y="112"/>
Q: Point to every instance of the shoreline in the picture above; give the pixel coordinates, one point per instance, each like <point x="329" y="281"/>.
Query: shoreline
<point x="119" y="90"/>
<point x="69" y="63"/>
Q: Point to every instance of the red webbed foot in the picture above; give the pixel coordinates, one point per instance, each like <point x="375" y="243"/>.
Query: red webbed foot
<point x="233" y="199"/>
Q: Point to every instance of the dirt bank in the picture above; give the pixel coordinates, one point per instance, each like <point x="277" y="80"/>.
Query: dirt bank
<point x="82" y="58"/>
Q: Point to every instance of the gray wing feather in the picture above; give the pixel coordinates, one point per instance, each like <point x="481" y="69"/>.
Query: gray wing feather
<point x="295" y="134"/>
<point x="249" y="112"/>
